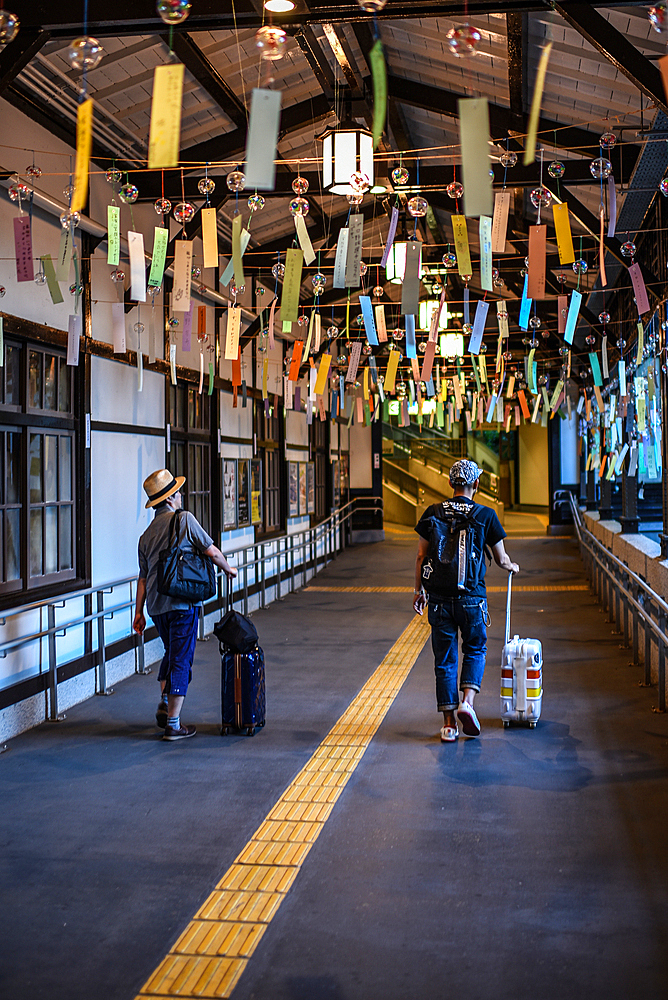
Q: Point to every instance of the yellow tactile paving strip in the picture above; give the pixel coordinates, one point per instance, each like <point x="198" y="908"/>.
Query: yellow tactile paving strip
<point x="214" y="949"/>
<point x="556" y="588"/>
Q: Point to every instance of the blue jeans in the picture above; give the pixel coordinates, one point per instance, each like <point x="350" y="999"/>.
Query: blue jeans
<point x="178" y="631"/>
<point x="467" y="615"/>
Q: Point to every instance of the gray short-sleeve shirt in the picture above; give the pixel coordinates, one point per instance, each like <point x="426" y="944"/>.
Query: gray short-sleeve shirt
<point x="151" y="544"/>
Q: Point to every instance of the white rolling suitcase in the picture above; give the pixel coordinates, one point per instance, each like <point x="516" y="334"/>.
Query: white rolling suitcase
<point x="521" y="676"/>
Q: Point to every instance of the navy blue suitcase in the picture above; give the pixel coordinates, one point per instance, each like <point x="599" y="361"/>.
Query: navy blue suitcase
<point x="242" y="691"/>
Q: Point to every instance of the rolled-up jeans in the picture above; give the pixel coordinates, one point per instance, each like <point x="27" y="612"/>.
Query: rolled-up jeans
<point x="467" y="615"/>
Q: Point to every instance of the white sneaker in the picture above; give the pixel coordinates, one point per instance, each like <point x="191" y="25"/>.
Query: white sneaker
<point x="449" y="734"/>
<point x="469" y="720"/>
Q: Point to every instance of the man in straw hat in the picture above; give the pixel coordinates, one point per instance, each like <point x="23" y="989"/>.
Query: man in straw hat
<point x="175" y="620"/>
<point x="454" y="606"/>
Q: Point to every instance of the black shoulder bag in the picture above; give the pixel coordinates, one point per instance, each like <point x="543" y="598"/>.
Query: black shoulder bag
<point x="185" y="574"/>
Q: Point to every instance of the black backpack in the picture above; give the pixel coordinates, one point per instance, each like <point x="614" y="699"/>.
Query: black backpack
<point x="455" y="559"/>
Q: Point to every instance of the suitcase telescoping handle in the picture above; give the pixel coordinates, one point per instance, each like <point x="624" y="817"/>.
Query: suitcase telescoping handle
<point x="228" y="593"/>
<point x="510" y="584"/>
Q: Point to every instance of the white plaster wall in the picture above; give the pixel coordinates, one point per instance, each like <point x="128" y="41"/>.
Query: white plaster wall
<point x="119" y="464"/>
<point x="115" y="397"/>
<point x="235" y="422"/>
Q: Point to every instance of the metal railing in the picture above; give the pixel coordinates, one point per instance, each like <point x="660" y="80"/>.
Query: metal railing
<point x="405" y="482"/>
<point x="285" y="563"/>
<point x="629" y="601"/>
<point x="440" y="457"/>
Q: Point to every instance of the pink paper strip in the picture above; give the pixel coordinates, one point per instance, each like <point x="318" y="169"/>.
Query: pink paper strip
<point x="416" y="369"/>
<point x="271" y="322"/>
<point x="435" y="317"/>
<point x="390" y="236"/>
<point x="612" y="205"/>
<point x="186" y="335"/>
<point x="23" y="249"/>
<point x="601" y="250"/>
<point x="428" y="362"/>
<point x="639" y="290"/>
<point x="562" y="311"/>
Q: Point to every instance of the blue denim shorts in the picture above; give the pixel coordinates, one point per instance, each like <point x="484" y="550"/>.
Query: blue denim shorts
<point x="178" y="631"/>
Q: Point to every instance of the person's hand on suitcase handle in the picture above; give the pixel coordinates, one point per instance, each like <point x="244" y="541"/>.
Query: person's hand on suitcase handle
<point x="214" y="553"/>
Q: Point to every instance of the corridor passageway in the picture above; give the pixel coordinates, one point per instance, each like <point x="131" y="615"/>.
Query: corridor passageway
<point x="523" y="864"/>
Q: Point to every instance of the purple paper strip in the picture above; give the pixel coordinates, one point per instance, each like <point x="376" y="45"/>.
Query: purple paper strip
<point x="390" y="236"/>
<point x="186" y="335"/>
<point x="467" y="314"/>
<point x="481" y="311"/>
<point x="23" y="249"/>
<point x="639" y="290"/>
<point x="612" y="205"/>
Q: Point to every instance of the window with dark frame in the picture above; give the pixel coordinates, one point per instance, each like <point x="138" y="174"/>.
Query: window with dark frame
<point x="320" y="453"/>
<point x="190" y="455"/>
<point x="267" y="429"/>
<point x="37" y="468"/>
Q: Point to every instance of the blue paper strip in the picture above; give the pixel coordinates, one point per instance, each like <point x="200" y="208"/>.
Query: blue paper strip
<point x="467" y="313"/>
<point x="342" y="395"/>
<point x="410" y="336"/>
<point x="482" y="308"/>
<point x="572" y="318"/>
<point x="525" y="307"/>
<point x="369" y="324"/>
<point x="373" y="369"/>
<point x="430" y="387"/>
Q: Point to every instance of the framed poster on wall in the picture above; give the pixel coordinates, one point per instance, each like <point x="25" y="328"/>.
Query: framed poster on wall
<point x="293" y="489"/>
<point x="302" y="488"/>
<point x="256" y="491"/>
<point x="229" y="494"/>
<point x="243" y="492"/>
<point x="336" y="484"/>
<point x="310" y="487"/>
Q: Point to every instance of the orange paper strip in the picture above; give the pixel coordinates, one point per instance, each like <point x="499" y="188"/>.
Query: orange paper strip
<point x="293" y="374"/>
<point x="523" y="403"/>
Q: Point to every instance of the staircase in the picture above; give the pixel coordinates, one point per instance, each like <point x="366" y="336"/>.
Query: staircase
<point x="415" y="474"/>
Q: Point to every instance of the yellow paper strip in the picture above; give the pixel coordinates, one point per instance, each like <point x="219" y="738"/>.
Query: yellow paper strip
<point x="365" y="383"/>
<point x="461" y="238"/>
<point x="84" y="147"/>
<point x="165" y="129"/>
<point x="641" y="339"/>
<point x="232" y="333"/>
<point x="391" y="373"/>
<point x="530" y="148"/>
<point x="562" y="228"/>
<point x="209" y="237"/>
<point x="474" y="138"/>
<point x="304" y="239"/>
<point x="323" y="371"/>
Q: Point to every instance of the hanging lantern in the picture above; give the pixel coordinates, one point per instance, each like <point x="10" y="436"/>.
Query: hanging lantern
<point x="427" y="308"/>
<point x="347" y="150"/>
<point x="396" y="263"/>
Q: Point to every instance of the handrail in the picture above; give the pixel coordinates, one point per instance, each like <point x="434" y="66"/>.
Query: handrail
<point x="633" y="598"/>
<point x="292" y="555"/>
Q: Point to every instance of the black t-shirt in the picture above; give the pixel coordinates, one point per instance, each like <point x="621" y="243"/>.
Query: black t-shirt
<point x="485" y="515"/>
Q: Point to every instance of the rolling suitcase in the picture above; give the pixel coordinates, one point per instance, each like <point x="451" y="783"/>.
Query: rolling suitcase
<point x="521" y="676"/>
<point x="242" y="691"/>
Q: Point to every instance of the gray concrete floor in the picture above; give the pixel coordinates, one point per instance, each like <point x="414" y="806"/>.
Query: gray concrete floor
<point x="524" y="864"/>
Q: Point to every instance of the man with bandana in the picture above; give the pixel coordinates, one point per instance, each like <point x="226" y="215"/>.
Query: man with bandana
<point x="464" y="612"/>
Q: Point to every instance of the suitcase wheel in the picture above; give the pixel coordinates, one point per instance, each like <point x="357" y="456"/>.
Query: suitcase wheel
<point x="225" y="730"/>
<point x="532" y="725"/>
<point x="250" y="731"/>
<point x="506" y="724"/>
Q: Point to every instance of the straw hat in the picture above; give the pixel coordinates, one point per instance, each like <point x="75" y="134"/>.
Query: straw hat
<point x="160" y="485"/>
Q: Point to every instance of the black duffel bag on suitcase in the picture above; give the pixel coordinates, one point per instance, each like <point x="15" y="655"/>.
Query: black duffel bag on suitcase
<point x="242" y="673"/>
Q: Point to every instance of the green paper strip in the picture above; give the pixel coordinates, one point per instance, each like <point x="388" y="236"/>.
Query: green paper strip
<point x="52" y="284"/>
<point x="237" y="253"/>
<point x="476" y="372"/>
<point x="379" y="75"/>
<point x="210" y="378"/>
<point x="532" y="384"/>
<point x="595" y="368"/>
<point x="160" y="238"/>
<point x="287" y="327"/>
<point x="292" y="280"/>
<point x="113" y="235"/>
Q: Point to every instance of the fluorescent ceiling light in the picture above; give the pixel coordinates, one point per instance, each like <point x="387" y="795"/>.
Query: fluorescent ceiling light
<point x="279" y="6"/>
